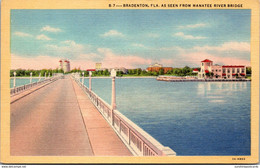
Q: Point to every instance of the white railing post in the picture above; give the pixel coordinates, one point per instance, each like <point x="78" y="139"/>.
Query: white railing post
<point x="113" y="98"/>
<point x="14" y="79"/>
<point x="90" y="73"/>
<point x="82" y="78"/>
<point x="31" y="77"/>
<point x="39" y="76"/>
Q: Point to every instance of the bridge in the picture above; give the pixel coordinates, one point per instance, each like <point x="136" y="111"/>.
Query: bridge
<point x="60" y="116"/>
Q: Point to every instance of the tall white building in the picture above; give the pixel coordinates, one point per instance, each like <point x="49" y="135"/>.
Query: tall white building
<point x="64" y="65"/>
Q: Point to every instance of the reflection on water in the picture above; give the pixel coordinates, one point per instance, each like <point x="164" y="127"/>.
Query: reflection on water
<point x="214" y="91"/>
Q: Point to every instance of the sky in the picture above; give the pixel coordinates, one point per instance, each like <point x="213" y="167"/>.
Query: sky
<point x="129" y="38"/>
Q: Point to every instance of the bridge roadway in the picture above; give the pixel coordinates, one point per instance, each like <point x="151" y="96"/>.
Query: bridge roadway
<point x="60" y="120"/>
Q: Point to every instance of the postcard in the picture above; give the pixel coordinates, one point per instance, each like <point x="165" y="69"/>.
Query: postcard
<point x="130" y="82"/>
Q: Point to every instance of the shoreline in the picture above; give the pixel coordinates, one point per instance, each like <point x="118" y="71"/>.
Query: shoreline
<point x="154" y="77"/>
<point x="27" y="77"/>
<point x="203" y="80"/>
<point x="131" y="77"/>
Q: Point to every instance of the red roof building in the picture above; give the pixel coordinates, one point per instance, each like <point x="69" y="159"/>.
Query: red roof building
<point x="206" y="60"/>
<point x="208" y="70"/>
<point x="233" y="66"/>
<point x="91" y="69"/>
<point x="157" y="69"/>
<point x="195" y="70"/>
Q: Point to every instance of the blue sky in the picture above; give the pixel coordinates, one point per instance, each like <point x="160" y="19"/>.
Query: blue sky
<point x="129" y="38"/>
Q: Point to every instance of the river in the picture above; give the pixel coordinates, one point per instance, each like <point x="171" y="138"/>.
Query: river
<point x="192" y="118"/>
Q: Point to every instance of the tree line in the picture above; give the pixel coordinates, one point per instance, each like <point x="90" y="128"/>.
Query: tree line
<point x="35" y="73"/>
<point x="131" y="72"/>
<point x="185" y="71"/>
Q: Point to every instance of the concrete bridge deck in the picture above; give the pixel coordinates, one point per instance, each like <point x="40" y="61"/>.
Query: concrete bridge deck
<point x="59" y="119"/>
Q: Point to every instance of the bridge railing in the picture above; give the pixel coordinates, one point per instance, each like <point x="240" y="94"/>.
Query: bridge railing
<point x="30" y="85"/>
<point x="136" y="139"/>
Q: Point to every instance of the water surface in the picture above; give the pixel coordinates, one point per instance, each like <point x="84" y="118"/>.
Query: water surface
<point x="23" y="81"/>
<point x="192" y="118"/>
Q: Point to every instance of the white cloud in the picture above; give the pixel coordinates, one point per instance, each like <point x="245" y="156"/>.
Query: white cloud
<point x="138" y="45"/>
<point x="89" y="56"/>
<point x="37" y="62"/>
<point x="43" y="37"/>
<point x="196" y="57"/>
<point x="173" y="48"/>
<point x="228" y="53"/>
<point x="227" y="46"/>
<point x="22" y="34"/>
<point x="113" y="33"/>
<point x="111" y="59"/>
<point x="51" y="29"/>
<point x="166" y="62"/>
<point x="181" y="34"/>
<point x="46" y="62"/>
<point x="72" y="44"/>
<point x="67" y="48"/>
<point x="191" y="26"/>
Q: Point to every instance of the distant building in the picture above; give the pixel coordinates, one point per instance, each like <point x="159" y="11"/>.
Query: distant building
<point x="60" y="65"/>
<point x="98" y="66"/>
<point x="156" y="68"/>
<point x="91" y="70"/>
<point x="195" y="70"/>
<point x="123" y="69"/>
<point x="156" y="65"/>
<point x="64" y="65"/>
<point x="208" y="70"/>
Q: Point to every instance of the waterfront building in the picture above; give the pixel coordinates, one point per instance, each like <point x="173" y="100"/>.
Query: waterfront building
<point x="99" y="66"/>
<point x="166" y="69"/>
<point x="64" y="65"/>
<point x="234" y="71"/>
<point x="156" y="65"/>
<point x="123" y="69"/>
<point x="60" y="65"/>
<point x="195" y="71"/>
<point x="91" y="70"/>
<point x="157" y="69"/>
<point x="208" y="70"/>
<point x="217" y="71"/>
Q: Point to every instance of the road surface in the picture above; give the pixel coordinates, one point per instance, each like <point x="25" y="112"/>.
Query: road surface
<point x="49" y="122"/>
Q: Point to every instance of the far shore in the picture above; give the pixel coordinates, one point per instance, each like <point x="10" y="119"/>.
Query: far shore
<point x="122" y="77"/>
<point x="26" y="77"/>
